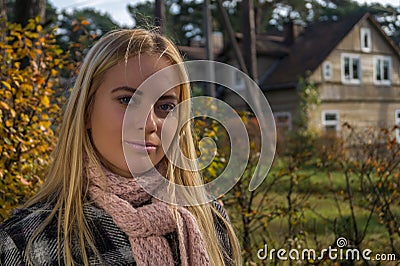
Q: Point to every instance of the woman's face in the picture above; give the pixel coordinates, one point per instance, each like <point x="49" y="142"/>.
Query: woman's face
<point x="143" y="123"/>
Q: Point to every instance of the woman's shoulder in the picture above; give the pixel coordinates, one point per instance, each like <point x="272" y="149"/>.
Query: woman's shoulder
<point x="17" y="230"/>
<point x="25" y="221"/>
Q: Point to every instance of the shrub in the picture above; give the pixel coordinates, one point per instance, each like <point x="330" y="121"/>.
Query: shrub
<point x="29" y="109"/>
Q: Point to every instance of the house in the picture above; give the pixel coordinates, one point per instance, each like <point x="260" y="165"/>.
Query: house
<point x="353" y="63"/>
<point x="356" y="68"/>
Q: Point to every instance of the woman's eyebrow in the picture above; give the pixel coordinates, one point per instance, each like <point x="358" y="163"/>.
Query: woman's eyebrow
<point x="128" y="89"/>
<point x="169" y="97"/>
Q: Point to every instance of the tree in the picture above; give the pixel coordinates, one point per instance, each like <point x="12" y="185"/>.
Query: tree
<point x="184" y="19"/>
<point x="29" y="109"/>
<point x="389" y="18"/>
<point x="3" y="19"/>
<point x="10" y="9"/>
<point x="79" y="29"/>
<point x="27" y="9"/>
<point x="274" y="14"/>
<point x="3" y="10"/>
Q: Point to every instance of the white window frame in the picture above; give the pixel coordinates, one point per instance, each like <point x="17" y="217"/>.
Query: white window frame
<point x="327" y="74"/>
<point x="238" y="80"/>
<point x="397" y="121"/>
<point x="382" y="81"/>
<point x="351" y="57"/>
<point x="365" y="32"/>
<point x="285" y="114"/>
<point x="326" y="123"/>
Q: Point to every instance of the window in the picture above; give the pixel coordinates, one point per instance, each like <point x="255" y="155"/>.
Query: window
<point x="238" y="80"/>
<point x="327" y="70"/>
<point x="283" y="121"/>
<point x="330" y="121"/>
<point x="382" y="70"/>
<point x="351" y="69"/>
<point x="365" y="36"/>
<point x="397" y="119"/>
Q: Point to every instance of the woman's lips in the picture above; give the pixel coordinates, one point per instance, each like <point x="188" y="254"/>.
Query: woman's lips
<point x="140" y="147"/>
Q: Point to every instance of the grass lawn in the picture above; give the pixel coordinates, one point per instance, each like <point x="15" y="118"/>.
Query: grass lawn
<point x="323" y="205"/>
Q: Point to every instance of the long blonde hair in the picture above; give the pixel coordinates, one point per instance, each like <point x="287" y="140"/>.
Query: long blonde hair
<point x="66" y="186"/>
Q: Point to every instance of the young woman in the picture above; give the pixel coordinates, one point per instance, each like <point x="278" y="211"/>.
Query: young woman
<point x="90" y="210"/>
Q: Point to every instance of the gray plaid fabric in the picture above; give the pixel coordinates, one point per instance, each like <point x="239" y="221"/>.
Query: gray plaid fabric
<point x="112" y="244"/>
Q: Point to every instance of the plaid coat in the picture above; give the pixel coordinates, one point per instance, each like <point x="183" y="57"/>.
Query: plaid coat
<point x="112" y="244"/>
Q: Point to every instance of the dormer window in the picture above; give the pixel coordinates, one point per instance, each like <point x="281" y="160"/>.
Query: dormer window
<point x="365" y="39"/>
<point x="327" y="70"/>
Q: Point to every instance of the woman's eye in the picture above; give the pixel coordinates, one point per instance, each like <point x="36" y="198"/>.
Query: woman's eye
<point x="162" y="110"/>
<point x="168" y="107"/>
<point x="125" y="99"/>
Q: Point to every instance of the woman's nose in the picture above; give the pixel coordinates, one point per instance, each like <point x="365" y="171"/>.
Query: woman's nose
<point x="151" y="122"/>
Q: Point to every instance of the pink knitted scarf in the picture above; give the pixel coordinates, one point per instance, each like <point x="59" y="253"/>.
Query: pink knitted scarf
<point x="146" y="225"/>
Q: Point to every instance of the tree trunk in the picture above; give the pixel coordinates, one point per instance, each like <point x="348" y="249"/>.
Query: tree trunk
<point x="3" y="19"/>
<point x="249" y="39"/>
<point x="159" y="16"/>
<point x="27" y="9"/>
<point x="257" y="17"/>
<point x="3" y="10"/>
<point x="207" y="18"/>
<point x="232" y="38"/>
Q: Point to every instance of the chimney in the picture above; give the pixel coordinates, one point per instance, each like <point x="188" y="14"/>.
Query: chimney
<point x="288" y="32"/>
<point x="218" y="41"/>
<point x="291" y="31"/>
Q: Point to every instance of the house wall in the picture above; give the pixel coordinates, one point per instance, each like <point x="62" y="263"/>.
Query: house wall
<point x="351" y="44"/>
<point x="358" y="114"/>
<point x="283" y="100"/>
<point x="364" y="104"/>
<point x="337" y="92"/>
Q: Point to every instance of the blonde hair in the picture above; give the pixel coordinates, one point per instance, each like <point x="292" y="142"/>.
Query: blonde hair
<point x="66" y="186"/>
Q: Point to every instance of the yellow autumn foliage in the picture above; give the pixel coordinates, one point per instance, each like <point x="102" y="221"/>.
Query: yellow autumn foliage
<point x="30" y="63"/>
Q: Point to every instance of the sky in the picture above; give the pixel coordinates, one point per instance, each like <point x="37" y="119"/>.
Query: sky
<point x="118" y="11"/>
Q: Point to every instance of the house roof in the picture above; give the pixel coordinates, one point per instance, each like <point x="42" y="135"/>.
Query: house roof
<point x="308" y="51"/>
